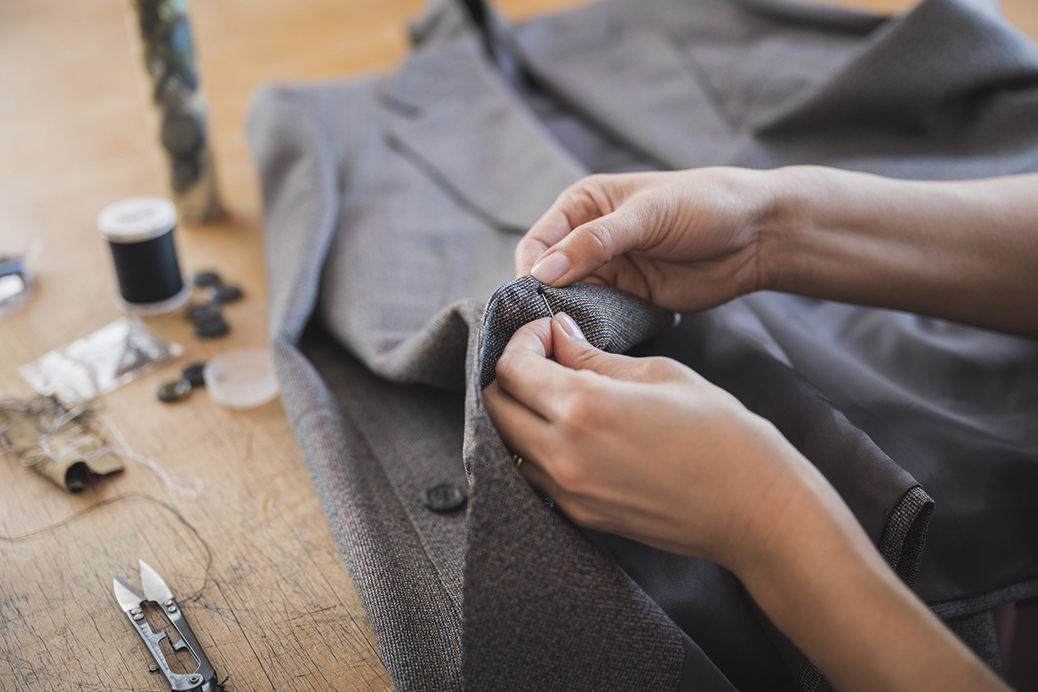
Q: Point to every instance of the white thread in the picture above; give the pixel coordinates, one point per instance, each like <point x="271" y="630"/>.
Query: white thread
<point x="187" y="488"/>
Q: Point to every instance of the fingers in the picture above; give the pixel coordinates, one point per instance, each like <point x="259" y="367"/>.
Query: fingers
<point x="572" y="350"/>
<point x="577" y="205"/>
<point x="591" y="223"/>
<point x="529" y="383"/>
<point x="548" y="230"/>
<point x="591" y="245"/>
<point x="532" y="340"/>
<point x="548" y="386"/>
<point x="519" y="426"/>
<point x="569" y="343"/>
<point x="525" y="372"/>
<point x="528" y="398"/>
<point x="523" y="432"/>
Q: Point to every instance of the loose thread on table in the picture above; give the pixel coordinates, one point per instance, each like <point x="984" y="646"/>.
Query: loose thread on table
<point x="187" y="488"/>
<point x="119" y="498"/>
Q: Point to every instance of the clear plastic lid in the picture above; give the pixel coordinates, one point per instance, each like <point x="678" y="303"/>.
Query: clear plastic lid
<point x="242" y="378"/>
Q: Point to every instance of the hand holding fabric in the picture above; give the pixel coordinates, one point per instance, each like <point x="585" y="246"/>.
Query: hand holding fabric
<point x="644" y="447"/>
<point x="690" y="240"/>
<point x="685" y="240"/>
<point x="648" y="449"/>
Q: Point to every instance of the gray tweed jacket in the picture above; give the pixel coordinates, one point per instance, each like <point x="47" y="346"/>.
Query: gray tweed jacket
<point x="393" y="204"/>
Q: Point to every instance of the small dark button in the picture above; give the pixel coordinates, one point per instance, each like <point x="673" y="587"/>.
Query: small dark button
<point x="172" y="392"/>
<point x="211" y="329"/>
<point x="224" y="294"/>
<point x="12" y="266"/>
<point x="204" y="312"/>
<point x="202" y="279"/>
<point x="184" y="172"/>
<point x="443" y="498"/>
<point x="193" y="374"/>
<point x="181" y="134"/>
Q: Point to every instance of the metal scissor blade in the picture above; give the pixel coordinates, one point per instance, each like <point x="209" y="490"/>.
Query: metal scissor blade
<point x="127" y="596"/>
<point x="155" y="588"/>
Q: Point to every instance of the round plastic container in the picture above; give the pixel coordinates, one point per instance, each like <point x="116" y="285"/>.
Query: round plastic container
<point x="242" y="378"/>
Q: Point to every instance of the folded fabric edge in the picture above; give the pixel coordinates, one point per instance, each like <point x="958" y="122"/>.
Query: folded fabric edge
<point x="901" y="544"/>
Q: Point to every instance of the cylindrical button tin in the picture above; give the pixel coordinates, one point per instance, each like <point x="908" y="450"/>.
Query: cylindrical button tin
<point x="139" y="231"/>
<point x="179" y="112"/>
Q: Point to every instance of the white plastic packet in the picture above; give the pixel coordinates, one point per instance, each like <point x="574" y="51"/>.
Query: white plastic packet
<point x="99" y="363"/>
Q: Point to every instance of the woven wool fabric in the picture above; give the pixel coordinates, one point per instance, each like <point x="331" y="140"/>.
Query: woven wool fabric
<point x="392" y="207"/>
<point x="901" y="544"/>
<point x="611" y="320"/>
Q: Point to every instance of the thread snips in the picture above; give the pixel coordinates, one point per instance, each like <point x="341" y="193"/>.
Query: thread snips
<point x="203" y="679"/>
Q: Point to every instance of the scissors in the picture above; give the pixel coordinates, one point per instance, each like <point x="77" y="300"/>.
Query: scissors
<point x="203" y="679"/>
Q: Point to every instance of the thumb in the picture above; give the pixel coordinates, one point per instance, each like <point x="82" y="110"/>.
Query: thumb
<point x="573" y="350"/>
<point x="589" y="246"/>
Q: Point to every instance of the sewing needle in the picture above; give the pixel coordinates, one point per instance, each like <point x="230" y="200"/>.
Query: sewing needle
<point x="540" y="290"/>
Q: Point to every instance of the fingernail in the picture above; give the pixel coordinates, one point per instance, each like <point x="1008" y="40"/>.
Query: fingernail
<point x="550" y="268"/>
<point x="569" y="326"/>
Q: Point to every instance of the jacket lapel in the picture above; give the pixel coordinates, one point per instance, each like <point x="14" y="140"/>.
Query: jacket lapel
<point x="452" y="115"/>
<point x="922" y="76"/>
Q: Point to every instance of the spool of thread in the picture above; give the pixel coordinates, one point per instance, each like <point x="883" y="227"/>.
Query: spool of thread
<point x="139" y="231"/>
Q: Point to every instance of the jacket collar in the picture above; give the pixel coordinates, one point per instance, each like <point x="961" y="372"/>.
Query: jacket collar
<point x="628" y="79"/>
<point x="453" y="116"/>
<point x="605" y="59"/>
<point x="913" y="76"/>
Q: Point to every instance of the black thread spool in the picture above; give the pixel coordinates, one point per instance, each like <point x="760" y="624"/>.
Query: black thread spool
<point x="139" y="231"/>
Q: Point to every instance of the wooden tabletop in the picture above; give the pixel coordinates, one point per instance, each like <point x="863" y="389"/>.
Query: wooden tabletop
<point x="278" y="611"/>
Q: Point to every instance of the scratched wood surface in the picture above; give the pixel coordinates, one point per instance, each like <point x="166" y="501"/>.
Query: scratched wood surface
<point x="278" y="611"/>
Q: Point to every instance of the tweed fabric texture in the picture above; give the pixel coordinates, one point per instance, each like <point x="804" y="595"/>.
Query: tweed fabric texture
<point x="392" y="207"/>
<point x="611" y="320"/>
<point x="901" y="544"/>
<point x="978" y="632"/>
<point x="1021" y="591"/>
<point x="810" y="678"/>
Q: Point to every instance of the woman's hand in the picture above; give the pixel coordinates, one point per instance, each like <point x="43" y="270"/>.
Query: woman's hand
<point x="686" y="240"/>
<point x="691" y="240"/>
<point x="644" y="447"/>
